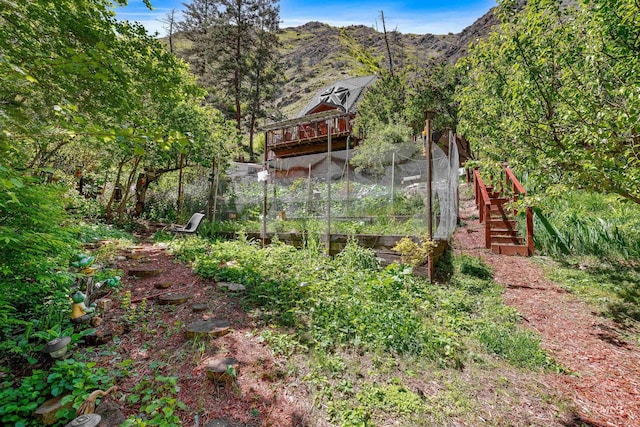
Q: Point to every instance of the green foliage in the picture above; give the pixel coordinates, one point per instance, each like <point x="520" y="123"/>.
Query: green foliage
<point x="415" y="254"/>
<point x="587" y="223"/>
<point x="554" y="90"/>
<point x="350" y="301"/>
<point x="615" y="291"/>
<point x="376" y="151"/>
<point x="73" y="379"/>
<point x="521" y="348"/>
<point x="382" y="104"/>
<point x="158" y="405"/>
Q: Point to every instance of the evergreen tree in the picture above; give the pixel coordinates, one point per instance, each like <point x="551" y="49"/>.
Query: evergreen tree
<point x="235" y="54"/>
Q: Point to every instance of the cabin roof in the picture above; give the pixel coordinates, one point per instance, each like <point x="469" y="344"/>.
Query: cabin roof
<point x="343" y="94"/>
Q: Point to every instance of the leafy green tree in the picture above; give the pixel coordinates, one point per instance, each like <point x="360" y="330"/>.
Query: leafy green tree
<point x="235" y="53"/>
<point x="555" y="91"/>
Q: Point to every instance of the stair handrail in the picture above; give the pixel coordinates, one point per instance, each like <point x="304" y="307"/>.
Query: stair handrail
<point x="519" y="191"/>
<point x="484" y="206"/>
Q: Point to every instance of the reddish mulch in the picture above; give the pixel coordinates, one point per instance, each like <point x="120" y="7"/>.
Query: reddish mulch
<point x="604" y="378"/>
<point x="259" y="396"/>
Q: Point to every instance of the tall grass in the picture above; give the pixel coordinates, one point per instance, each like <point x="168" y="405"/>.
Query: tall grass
<point x="601" y="225"/>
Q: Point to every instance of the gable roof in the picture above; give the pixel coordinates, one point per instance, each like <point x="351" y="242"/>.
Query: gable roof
<point x="343" y="94"/>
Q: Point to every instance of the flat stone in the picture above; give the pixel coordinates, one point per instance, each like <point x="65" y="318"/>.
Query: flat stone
<point x="173" y="299"/>
<point x="144" y="272"/>
<point x="197" y="308"/>
<point x="235" y="287"/>
<point x="163" y="285"/>
<point x="104" y="304"/>
<point x="221" y="422"/>
<point x="46" y="413"/>
<point x="111" y="414"/>
<point x="208" y="328"/>
<point x="223" y="370"/>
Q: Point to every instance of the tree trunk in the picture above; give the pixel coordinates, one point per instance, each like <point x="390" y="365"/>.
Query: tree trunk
<point x="108" y="209"/>
<point x="142" y="184"/>
<point x="125" y="196"/>
<point x="211" y="190"/>
<point x="180" y="196"/>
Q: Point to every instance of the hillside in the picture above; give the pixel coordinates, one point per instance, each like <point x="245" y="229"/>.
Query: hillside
<point x="316" y="54"/>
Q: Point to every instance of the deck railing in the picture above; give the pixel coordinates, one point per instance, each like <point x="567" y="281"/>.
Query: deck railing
<point x="519" y="192"/>
<point x="483" y="203"/>
<point x="306" y="131"/>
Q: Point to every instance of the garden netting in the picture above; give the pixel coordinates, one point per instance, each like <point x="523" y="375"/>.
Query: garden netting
<point x="390" y="201"/>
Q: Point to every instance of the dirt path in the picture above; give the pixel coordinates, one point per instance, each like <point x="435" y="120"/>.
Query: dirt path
<point x="260" y="396"/>
<point x="604" y="379"/>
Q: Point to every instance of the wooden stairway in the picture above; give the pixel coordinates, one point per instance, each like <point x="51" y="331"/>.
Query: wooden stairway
<point x="500" y="226"/>
<point x="503" y="227"/>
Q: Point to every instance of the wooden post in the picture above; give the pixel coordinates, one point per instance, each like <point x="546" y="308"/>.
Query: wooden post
<point x="428" y="117"/>
<point x="180" y="196"/>
<point x="348" y="182"/>
<point x="215" y="190"/>
<point x="309" y="193"/>
<point x="530" y="241"/>
<point x="329" y="130"/>
<point x="429" y="176"/>
<point x="393" y="177"/>
<point x="263" y="233"/>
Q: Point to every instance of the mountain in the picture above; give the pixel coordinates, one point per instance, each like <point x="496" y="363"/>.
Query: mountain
<point x="316" y="54"/>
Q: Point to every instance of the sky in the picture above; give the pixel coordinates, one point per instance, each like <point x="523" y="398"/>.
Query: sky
<point x="412" y="16"/>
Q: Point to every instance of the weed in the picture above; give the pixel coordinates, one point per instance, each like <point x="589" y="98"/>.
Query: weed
<point x="158" y="405"/>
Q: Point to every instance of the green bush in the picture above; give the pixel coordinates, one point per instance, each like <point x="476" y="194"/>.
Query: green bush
<point x="70" y="378"/>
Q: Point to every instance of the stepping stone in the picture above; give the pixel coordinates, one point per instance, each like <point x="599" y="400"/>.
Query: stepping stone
<point x="197" y="308"/>
<point x="173" y="299"/>
<point x="234" y="287"/>
<point x="220" y="422"/>
<point x="111" y="414"/>
<point x="208" y="328"/>
<point x="134" y="256"/>
<point x="144" y="272"/>
<point x="104" y="304"/>
<point x="163" y="285"/>
<point x="223" y="370"/>
<point x="46" y="413"/>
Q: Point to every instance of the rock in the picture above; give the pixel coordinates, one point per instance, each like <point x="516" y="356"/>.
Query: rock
<point x="143" y="273"/>
<point x="220" y="422"/>
<point x="96" y="321"/>
<point x="197" y="308"/>
<point x="85" y="318"/>
<point x="111" y="414"/>
<point x="163" y="285"/>
<point x="235" y="287"/>
<point x="173" y="299"/>
<point x="104" y="304"/>
<point x="86" y="420"/>
<point x="208" y="328"/>
<point x="223" y="370"/>
<point x="46" y="413"/>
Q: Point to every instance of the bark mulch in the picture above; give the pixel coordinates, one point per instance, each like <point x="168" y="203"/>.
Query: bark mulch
<point x="603" y="378"/>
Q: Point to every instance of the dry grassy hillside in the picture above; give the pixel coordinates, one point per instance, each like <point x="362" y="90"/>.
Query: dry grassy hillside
<point x="316" y="54"/>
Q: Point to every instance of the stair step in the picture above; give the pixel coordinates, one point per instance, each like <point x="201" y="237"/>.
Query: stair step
<point x="501" y="239"/>
<point x="498" y="200"/>
<point x="509" y="224"/>
<point x="503" y="232"/>
<point x="509" y="249"/>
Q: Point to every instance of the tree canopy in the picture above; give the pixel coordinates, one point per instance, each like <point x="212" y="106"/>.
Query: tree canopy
<point x="556" y="90"/>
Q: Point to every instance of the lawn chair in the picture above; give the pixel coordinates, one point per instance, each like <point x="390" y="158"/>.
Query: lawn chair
<point x="189" y="228"/>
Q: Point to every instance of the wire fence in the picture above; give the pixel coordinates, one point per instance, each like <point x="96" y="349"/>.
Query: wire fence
<point x="326" y="192"/>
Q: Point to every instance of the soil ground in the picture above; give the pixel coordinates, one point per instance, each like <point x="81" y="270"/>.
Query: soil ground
<point x="601" y="378"/>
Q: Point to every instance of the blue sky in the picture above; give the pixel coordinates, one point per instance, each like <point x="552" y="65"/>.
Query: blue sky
<point x="419" y="17"/>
